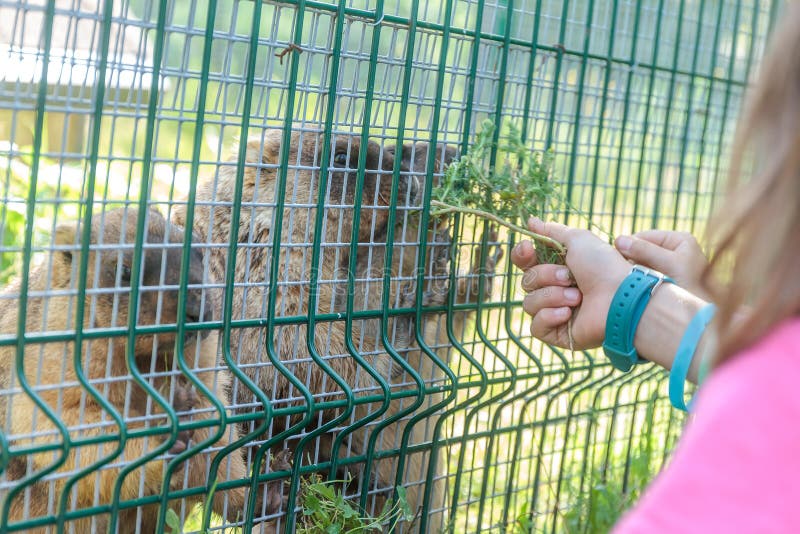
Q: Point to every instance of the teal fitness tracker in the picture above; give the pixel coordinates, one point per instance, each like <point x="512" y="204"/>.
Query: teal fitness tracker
<point x="626" y="310"/>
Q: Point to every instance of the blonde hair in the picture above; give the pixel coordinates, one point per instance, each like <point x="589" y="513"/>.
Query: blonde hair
<point x="756" y="230"/>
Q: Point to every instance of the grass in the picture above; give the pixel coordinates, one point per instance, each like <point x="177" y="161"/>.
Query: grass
<point x="326" y="510"/>
<point x="323" y="510"/>
<point x="570" y="459"/>
<point x="194" y="522"/>
<point x="613" y="491"/>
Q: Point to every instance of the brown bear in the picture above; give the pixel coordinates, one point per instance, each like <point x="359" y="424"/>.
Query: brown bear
<point x="337" y="362"/>
<point x="87" y="417"/>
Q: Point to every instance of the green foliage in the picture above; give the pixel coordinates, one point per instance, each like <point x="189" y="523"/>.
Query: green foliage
<point x="13" y="234"/>
<point x="50" y="186"/>
<point x="173" y="522"/>
<point x="519" y="184"/>
<point x="194" y="521"/>
<point x="598" y="492"/>
<point x="326" y="510"/>
<point x="611" y="493"/>
<point x="523" y="524"/>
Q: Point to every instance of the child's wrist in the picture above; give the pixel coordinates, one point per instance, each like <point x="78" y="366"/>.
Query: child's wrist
<point x="625" y="312"/>
<point x="663" y="324"/>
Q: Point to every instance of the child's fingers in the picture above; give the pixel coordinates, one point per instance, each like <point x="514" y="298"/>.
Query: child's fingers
<point x="523" y="255"/>
<point x="646" y="253"/>
<point x="668" y="239"/>
<point x="545" y="275"/>
<point x="550" y="297"/>
<point x="547" y="321"/>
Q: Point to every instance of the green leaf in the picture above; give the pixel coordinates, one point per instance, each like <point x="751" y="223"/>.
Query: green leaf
<point x="347" y="510"/>
<point x="402" y="500"/>
<point x="173" y="521"/>
<point x="311" y="504"/>
<point x="325" y="490"/>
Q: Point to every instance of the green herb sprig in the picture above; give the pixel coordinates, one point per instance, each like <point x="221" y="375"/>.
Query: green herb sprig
<point x="325" y="509"/>
<point x="519" y="185"/>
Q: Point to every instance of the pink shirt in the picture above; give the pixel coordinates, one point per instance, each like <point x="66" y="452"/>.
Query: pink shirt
<point x="737" y="465"/>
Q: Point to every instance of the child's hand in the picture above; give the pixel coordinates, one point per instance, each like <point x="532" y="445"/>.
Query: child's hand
<point x="676" y="254"/>
<point x="594" y="266"/>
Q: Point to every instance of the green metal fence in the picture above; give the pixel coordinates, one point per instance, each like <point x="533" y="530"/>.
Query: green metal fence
<point x="339" y="349"/>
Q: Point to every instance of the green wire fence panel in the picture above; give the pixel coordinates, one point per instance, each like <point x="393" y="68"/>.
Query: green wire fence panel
<point x="226" y="305"/>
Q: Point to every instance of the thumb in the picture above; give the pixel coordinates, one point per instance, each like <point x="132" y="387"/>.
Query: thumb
<point x="645" y="252"/>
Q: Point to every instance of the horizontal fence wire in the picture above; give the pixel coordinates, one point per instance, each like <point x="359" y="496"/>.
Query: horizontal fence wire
<point x="225" y="304"/>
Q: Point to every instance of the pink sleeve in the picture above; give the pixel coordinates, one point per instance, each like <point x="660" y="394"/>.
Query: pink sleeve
<point x="737" y="465"/>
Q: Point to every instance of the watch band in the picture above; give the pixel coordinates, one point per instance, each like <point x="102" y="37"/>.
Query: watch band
<point x="625" y="312"/>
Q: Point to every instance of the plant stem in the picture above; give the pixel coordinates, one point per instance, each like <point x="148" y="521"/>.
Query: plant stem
<point x="447" y="208"/>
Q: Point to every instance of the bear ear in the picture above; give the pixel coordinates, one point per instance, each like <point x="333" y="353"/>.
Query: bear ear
<point x="378" y="157"/>
<point x="445" y="154"/>
<point x="155" y="215"/>
<point x="421" y="158"/>
<point x="405" y="156"/>
<point x="415" y="157"/>
<point x="66" y="235"/>
<point x="389" y="154"/>
<point x="155" y="227"/>
<point x="264" y="150"/>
